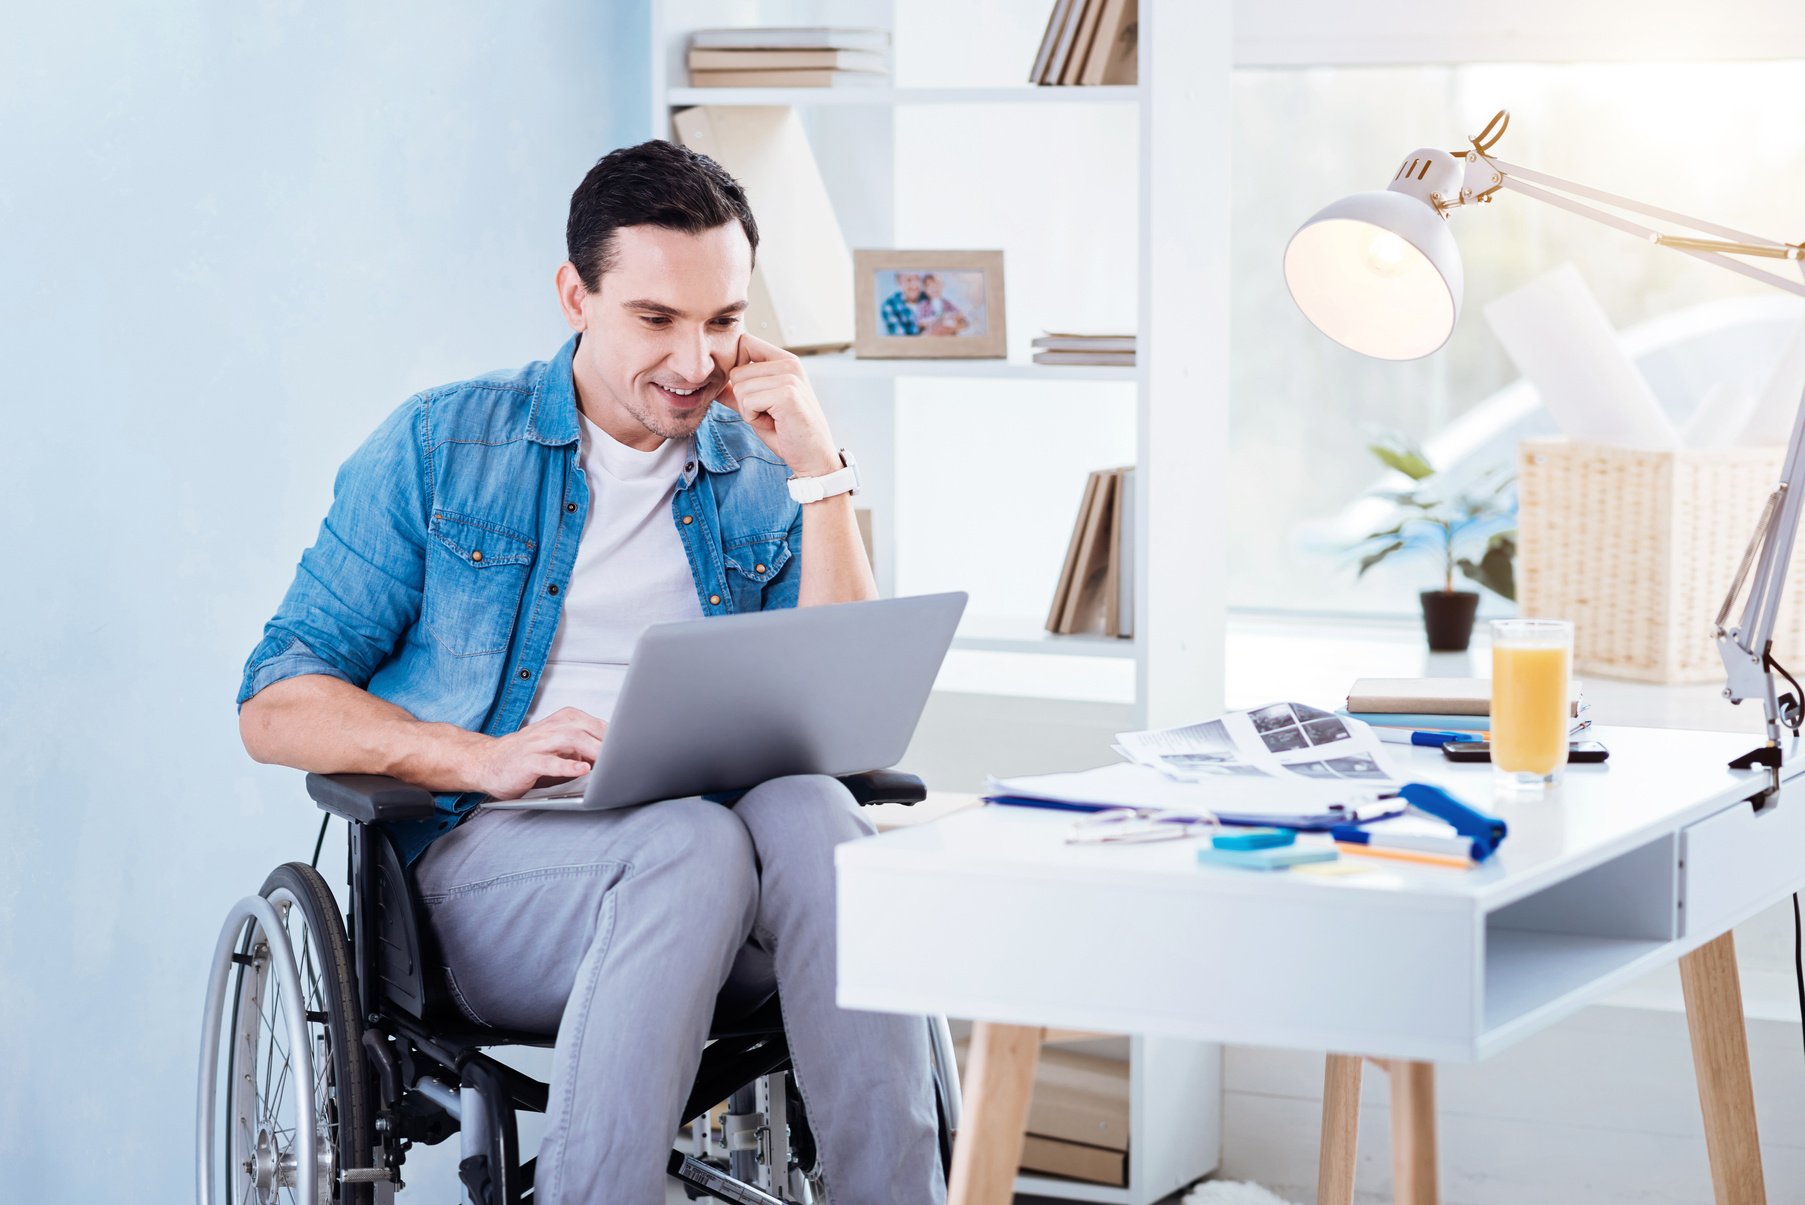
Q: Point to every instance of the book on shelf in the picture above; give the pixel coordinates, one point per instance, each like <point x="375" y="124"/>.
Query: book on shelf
<point x="1112" y="59"/>
<point x="787" y="60"/>
<point x="1078" y="1116"/>
<point x="1052" y="342"/>
<point x="1074" y="1161"/>
<point x="1119" y="359"/>
<point x="785" y="79"/>
<point x="1436" y="696"/>
<point x="1088" y="42"/>
<point x="1085" y="33"/>
<point x="810" y="37"/>
<point x="801" y="294"/>
<point x="1095" y="591"/>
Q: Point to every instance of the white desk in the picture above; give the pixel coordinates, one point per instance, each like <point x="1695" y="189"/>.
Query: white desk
<point x="989" y="914"/>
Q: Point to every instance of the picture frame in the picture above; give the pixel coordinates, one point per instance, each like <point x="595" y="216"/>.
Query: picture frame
<point x="928" y="304"/>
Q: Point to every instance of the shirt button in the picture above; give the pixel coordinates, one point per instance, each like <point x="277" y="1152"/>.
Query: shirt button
<point x="758" y="568"/>
<point x="714" y="600"/>
<point x="477" y="555"/>
<point x="688" y="519"/>
<point x="570" y="507"/>
<point x="552" y="589"/>
<point x="526" y="673"/>
<point x="689" y="466"/>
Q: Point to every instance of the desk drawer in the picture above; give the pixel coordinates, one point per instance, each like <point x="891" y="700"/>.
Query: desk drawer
<point x="1737" y="862"/>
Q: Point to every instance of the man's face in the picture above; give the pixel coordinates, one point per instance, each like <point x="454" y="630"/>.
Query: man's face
<point x="662" y="330"/>
<point x="910" y="284"/>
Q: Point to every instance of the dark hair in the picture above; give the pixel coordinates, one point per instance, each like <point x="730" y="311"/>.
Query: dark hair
<point x="656" y="183"/>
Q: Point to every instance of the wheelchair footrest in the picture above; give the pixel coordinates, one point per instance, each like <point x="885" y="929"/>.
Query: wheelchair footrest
<point x="716" y="1183"/>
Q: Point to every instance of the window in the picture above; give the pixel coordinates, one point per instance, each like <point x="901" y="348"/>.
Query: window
<point x="1718" y="141"/>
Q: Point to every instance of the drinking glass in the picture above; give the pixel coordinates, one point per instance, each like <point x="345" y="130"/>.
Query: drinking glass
<point x="1532" y="667"/>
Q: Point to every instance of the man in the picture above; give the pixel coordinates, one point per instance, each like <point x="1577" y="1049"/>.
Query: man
<point x="464" y="621"/>
<point x="899" y="308"/>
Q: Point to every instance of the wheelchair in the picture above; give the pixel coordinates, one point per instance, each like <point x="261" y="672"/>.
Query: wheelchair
<point x="329" y="1048"/>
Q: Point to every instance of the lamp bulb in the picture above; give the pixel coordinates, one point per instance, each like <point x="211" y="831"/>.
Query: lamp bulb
<point x="1385" y="254"/>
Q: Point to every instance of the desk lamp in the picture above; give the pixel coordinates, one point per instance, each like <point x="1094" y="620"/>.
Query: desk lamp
<point x="1379" y="272"/>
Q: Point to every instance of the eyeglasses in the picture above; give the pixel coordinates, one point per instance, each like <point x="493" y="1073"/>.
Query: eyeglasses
<point x="1136" y="826"/>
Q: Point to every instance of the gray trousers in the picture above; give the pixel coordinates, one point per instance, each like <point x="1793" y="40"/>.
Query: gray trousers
<point x="625" y="930"/>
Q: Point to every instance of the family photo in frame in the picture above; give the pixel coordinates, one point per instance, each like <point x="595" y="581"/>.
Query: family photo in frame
<point x="929" y="304"/>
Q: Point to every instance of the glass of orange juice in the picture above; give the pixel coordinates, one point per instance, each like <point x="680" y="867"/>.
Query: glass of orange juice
<point x="1532" y="667"/>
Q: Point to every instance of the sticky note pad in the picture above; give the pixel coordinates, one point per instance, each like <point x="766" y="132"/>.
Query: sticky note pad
<point x="1254" y="838"/>
<point x="1267" y="859"/>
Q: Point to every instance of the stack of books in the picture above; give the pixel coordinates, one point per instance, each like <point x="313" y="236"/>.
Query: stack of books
<point x="1088" y="42"/>
<point x="1440" y="704"/>
<point x="819" y="57"/>
<point x="1096" y="585"/>
<point x="1077" y="1117"/>
<point x="1084" y="347"/>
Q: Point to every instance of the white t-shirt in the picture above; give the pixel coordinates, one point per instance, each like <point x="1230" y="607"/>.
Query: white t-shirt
<point x="631" y="572"/>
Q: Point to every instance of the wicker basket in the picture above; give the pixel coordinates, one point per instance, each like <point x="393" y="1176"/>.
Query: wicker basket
<point x="1637" y="549"/>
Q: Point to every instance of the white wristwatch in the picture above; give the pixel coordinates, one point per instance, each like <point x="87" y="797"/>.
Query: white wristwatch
<point x="840" y="481"/>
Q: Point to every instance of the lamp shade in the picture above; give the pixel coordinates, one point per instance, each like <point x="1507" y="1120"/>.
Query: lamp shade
<point x="1378" y="272"/>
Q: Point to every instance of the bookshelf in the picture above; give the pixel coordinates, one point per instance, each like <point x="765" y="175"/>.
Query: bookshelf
<point x="1120" y="94"/>
<point x="1166" y="255"/>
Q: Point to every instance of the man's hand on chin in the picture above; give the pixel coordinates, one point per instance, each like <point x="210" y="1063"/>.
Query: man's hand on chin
<point x="562" y="746"/>
<point x="771" y="392"/>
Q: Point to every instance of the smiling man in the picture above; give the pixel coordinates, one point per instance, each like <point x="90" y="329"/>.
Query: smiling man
<point x="464" y="621"/>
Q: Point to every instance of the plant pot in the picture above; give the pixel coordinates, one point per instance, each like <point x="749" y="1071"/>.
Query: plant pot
<point x="1448" y="619"/>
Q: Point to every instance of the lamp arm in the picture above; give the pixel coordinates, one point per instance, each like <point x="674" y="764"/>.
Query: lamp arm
<point x="1524" y="181"/>
<point x="1746" y="649"/>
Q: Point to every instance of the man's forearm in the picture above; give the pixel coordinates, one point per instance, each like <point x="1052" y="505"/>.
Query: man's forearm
<point x="321" y="724"/>
<point x="834" y="566"/>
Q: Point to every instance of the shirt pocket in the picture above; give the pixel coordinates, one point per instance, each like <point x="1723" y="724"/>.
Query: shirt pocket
<point x="476" y="572"/>
<point x="752" y="563"/>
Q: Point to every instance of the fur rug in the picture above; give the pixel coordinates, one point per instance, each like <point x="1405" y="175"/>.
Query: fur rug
<point x="1230" y="1192"/>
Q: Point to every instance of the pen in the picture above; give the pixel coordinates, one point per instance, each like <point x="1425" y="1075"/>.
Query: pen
<point x="1428" y="843"/>
<point x="1404" y="855"/>
<point x="1410" y="736"/>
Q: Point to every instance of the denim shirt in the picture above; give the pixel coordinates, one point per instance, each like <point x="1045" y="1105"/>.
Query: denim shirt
<point x="439" y="573"/>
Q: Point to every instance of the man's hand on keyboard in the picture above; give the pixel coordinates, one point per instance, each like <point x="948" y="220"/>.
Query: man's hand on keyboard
<point x="560" y="747"/>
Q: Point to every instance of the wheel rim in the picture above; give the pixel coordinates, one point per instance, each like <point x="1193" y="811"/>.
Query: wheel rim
<point x="266" y="1009"/>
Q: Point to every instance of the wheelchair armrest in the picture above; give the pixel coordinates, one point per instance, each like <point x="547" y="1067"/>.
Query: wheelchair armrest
<point x="368" y="798"/>
<point x="885" y="786"/>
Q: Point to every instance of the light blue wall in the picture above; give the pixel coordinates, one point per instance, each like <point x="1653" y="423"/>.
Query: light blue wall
<point x="232" y="237"/>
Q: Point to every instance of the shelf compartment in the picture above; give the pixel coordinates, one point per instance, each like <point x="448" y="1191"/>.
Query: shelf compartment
<point x="871" y="94"/>
<point x="1005" y="634"/>
<point x="845" y="366"/>
<point x="1546" y="952"/>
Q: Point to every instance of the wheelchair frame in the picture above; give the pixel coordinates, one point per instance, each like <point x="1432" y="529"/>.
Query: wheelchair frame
<point x="429" y="1074"/>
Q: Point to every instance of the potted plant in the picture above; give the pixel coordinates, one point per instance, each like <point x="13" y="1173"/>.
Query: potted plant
<point x="1435" y="521"/>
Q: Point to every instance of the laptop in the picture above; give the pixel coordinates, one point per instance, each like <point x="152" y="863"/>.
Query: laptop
<point x="711" y="706"/>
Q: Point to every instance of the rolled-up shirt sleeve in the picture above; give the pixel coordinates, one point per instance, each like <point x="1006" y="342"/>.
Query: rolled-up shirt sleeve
<point x="357" y="591"/>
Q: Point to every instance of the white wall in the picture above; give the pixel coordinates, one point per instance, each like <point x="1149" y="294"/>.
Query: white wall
<point x="232" y="237"/>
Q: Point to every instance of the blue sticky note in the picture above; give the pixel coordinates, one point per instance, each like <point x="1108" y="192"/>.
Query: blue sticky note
<point x="1254" y="838"/>
<point x="1266" y="859"/>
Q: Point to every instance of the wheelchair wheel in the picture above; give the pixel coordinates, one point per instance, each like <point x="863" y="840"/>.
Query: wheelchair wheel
<point x="292" y="1109"/>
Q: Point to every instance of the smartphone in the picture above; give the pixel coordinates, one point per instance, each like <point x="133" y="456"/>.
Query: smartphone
<point x="1577" y="751"/>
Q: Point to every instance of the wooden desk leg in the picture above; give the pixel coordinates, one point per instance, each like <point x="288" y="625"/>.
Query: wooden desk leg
<point x="998" y="1080"/>
<point x="1340" y="1130"/>
<point x="1413" y="1161"/>
<point x="1720" y="1059"/>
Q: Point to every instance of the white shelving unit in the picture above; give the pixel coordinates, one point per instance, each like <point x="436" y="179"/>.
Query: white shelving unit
<point x="1178" y="391"/>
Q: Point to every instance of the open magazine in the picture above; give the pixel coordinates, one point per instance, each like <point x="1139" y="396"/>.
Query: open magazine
<point x="1280" y="741"/>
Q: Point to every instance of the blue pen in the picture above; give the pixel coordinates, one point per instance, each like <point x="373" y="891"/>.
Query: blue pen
<point x="1431" y="739"/>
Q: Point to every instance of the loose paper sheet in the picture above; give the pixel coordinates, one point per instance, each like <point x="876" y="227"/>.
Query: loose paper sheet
<point x="1284" y="759"/>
